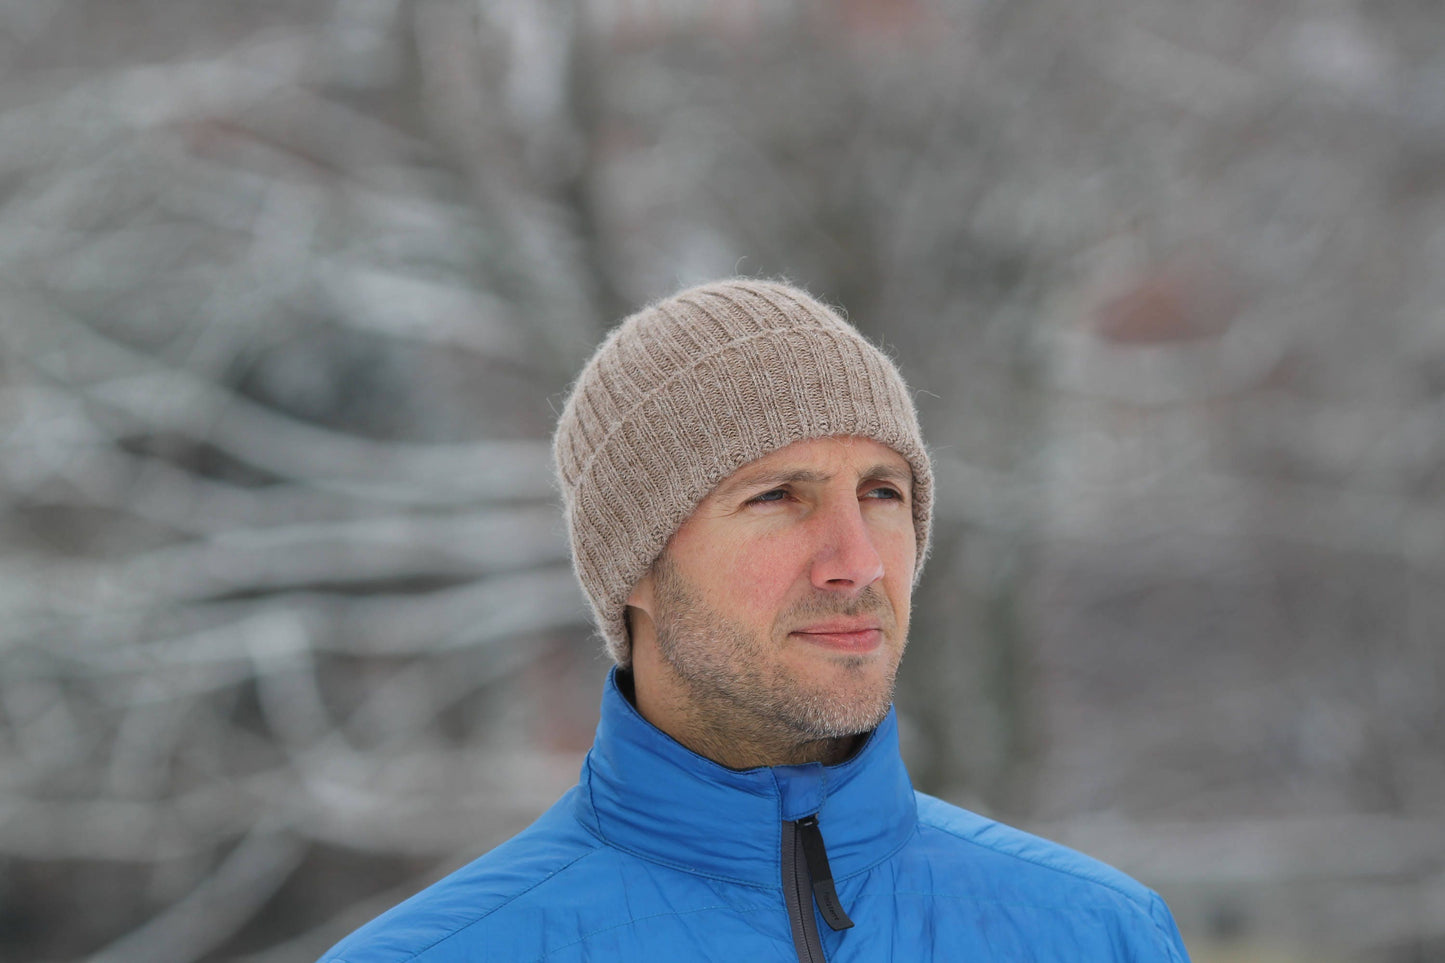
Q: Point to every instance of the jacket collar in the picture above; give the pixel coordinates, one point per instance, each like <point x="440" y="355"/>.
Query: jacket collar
<point x="646" y="793"/>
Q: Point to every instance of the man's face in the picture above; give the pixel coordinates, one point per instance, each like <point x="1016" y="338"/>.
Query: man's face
<point x="781" y="605"/>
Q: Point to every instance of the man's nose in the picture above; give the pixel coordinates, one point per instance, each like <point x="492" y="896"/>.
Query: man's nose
<point x="846" y="559"/>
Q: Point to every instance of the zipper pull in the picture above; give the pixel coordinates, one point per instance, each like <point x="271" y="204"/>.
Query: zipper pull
<point x="822" y="875"/>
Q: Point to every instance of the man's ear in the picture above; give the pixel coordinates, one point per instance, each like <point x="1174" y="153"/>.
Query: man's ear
<point x="642" y="596"/>
<point x="638" y="615"/>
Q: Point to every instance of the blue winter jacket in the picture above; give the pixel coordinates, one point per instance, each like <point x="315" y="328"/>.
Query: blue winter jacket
<point x="659" y="854"/>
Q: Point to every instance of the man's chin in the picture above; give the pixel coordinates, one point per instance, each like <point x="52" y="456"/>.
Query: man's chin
<point x="843" y="727"/>
<point x="839" y="710"/>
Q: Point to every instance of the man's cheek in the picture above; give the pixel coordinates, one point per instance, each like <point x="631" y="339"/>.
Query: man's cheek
<point x="762" y="582"/>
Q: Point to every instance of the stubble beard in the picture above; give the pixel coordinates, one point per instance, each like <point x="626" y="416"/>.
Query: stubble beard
<point x="737" y="688"/>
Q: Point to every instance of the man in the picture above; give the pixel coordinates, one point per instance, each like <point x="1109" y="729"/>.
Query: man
<point x="748" y="498"/>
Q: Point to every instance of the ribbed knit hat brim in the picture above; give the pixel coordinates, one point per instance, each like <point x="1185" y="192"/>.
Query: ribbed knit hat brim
<point x="691" y="388"/>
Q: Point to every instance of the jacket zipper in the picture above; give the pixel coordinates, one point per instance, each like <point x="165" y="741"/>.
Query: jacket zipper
<point x="806" y="878"/>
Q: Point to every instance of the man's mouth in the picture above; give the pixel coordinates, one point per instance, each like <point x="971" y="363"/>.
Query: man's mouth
<point x="846" y="635"/>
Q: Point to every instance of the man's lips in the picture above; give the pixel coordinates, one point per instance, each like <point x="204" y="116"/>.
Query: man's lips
<point x="848" y="636"/>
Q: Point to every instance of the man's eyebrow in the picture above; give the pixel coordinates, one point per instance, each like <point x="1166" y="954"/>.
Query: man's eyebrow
<point x="771" y="479"/>
<point x="886" y="472"/>
<point x="787" y="476"/>
<point x="897" y="475"/>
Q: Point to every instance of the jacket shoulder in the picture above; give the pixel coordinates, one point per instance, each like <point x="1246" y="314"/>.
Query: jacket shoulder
<point x="1010" y="866"/>
<point x="470" y="905"/>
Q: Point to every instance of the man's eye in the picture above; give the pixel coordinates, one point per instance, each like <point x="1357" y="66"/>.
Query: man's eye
<point x="773" y="495"/>
<point x="886" y="493"/>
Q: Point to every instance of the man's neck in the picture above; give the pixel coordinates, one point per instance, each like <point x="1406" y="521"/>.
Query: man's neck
<point x="726" y="749"/>
<point x="743" y="743"/>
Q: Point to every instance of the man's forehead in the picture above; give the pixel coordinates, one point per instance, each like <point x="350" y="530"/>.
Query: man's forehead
<point x="819" y="460"/>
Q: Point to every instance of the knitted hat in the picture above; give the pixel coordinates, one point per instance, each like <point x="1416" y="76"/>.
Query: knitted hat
<point x="686" y="391"/>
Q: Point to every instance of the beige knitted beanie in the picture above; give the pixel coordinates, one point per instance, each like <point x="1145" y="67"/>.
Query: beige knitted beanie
<point x="693" y="387"/>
